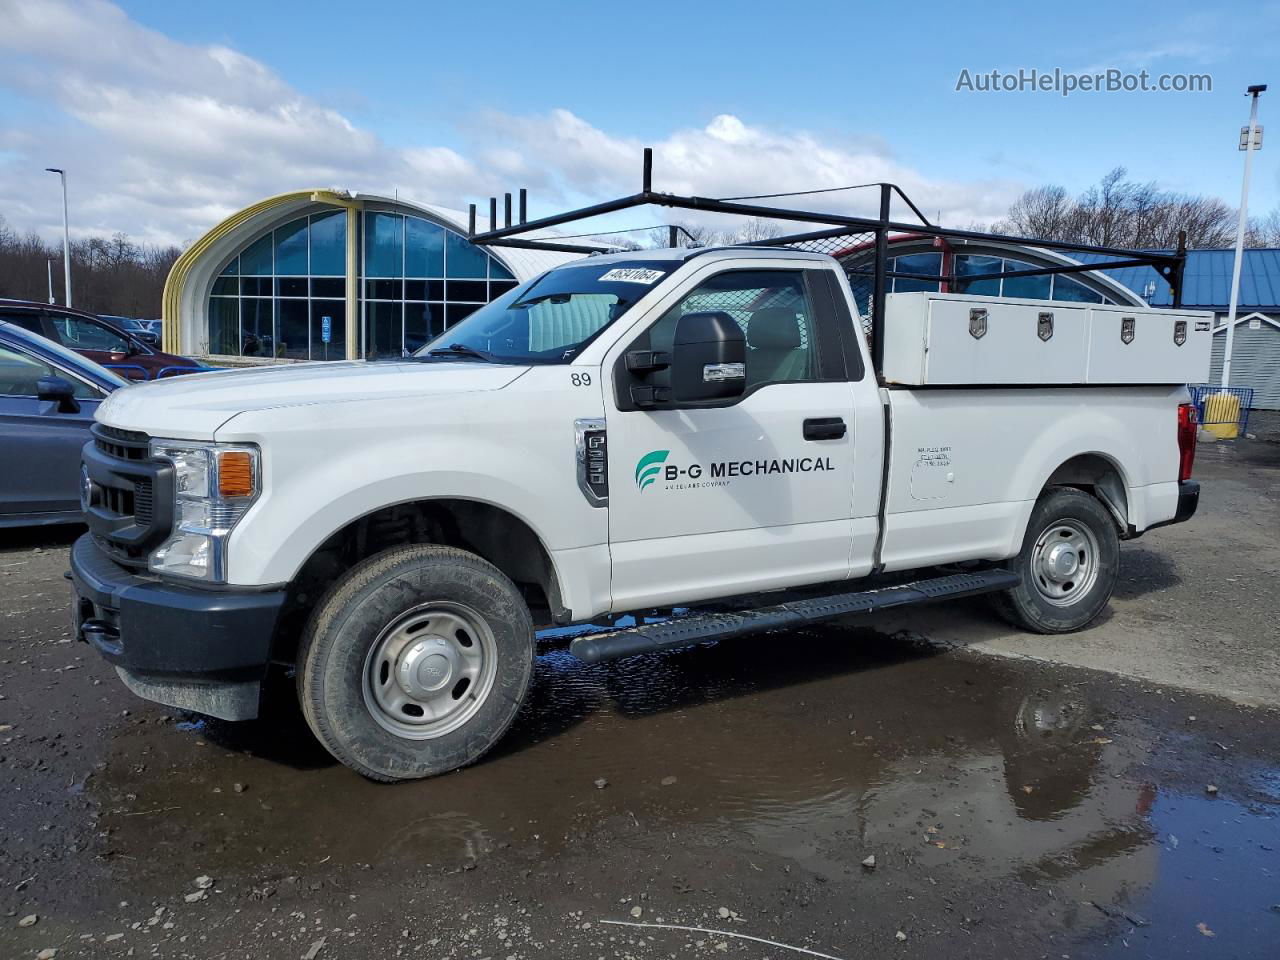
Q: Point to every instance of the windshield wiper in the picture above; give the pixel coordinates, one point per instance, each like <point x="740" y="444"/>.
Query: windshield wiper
<point x="460" y="350"/>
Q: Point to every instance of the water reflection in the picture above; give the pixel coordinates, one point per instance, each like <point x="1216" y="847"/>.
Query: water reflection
<point x="808" y="744"/>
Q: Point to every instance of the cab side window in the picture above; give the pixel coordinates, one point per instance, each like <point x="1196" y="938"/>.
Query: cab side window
<point x="20" y="374"/>
<point x="777" y="319"/>
<point x="81" y="333"/>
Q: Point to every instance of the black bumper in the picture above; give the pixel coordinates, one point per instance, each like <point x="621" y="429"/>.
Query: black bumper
<point x="184" y="646"/>
<point x="1188" y="500"/>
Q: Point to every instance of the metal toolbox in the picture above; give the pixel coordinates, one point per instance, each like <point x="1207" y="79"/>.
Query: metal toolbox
<point x="947" y="339"/>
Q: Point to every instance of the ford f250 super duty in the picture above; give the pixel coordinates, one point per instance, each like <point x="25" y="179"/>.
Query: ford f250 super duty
<point x="624" y="433"/>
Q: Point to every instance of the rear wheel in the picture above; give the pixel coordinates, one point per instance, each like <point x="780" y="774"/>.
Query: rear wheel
<point x="1069" y="564"/>
<point x="416" y="662"/>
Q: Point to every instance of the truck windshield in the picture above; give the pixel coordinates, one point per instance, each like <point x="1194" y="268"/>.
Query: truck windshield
<point x="550" y="319"/>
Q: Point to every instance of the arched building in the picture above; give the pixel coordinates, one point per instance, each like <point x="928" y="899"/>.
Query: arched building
<point x="327" y="275"/>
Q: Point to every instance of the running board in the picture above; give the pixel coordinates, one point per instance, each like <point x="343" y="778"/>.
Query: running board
<point x="687" y="631"/>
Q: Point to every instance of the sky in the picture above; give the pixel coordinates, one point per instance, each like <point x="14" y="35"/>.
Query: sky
<point x="171" y="116"/>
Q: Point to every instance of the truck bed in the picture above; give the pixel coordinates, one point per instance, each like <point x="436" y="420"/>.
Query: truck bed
<point x="966" y="465"/>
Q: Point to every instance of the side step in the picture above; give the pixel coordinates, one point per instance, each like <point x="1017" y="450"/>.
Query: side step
<point x="672" y="634"/>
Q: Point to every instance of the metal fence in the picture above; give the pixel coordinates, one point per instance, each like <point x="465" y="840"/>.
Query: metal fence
<point x="1223" y="411"/>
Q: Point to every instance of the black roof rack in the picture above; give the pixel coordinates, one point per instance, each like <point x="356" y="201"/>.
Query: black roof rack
<point x="860" y="243"/>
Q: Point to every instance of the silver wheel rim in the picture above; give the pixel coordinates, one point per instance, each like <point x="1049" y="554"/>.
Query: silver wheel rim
<point x="1064" y="563"/>
<point x="430" y="670"/>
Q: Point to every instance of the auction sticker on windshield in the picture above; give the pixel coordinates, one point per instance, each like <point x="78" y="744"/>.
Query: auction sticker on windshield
<point x="632" y="275"/>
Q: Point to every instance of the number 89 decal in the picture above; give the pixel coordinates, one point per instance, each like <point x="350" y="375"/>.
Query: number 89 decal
<point x="580" y="379"/>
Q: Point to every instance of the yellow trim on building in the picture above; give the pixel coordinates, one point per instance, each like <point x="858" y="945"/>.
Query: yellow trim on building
<point x="171" y="332"/>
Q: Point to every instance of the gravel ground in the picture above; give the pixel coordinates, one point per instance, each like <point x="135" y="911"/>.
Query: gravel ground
<point x="882" y="788"/>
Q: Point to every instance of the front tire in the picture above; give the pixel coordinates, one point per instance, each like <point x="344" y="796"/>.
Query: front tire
<point x="416" y="662"/>
<point x="1069" y="563"/>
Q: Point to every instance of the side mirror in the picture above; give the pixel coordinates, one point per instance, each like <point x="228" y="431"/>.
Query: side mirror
<point x="708" y="358"/>
<point x="59" y="391"/>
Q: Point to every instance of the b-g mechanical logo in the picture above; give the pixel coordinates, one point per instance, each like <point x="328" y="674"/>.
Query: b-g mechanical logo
<point x="649" y="467"/>
<point x="653" y="466"/>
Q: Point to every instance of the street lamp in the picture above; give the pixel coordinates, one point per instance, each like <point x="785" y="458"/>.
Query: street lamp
<point x="66" y="237"/>
<point x="1248" y="136"/>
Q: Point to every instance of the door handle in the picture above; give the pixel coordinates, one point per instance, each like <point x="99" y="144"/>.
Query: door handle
<point x="825" y="428"/>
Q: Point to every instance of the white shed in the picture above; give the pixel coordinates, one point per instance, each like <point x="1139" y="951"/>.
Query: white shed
<point x="1255" y="357"/>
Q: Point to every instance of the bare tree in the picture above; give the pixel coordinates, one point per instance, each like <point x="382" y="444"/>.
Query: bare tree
<point x="1118" y="211"/>
<point x="108" y="275"/>
<point x="1264" y="231"/>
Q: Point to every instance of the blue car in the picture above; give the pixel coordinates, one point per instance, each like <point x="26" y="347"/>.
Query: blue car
<point x="48" y="396"/>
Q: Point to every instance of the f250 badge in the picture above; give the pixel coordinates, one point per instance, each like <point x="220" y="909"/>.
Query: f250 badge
<point x="653" y="466"/>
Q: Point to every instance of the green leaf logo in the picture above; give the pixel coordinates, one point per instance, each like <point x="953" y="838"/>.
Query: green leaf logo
<point x="649" y="467"/>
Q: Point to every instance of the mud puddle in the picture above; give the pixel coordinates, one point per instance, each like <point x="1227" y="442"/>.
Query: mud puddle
<point x="1004" y="803"/>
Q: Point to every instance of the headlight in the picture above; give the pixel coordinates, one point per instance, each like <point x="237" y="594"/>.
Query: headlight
<point x="214" y="484"/>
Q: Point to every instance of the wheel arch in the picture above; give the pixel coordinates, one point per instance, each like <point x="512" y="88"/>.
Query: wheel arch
<point x="492" y="532"/>
<point x="1102" y="477"/>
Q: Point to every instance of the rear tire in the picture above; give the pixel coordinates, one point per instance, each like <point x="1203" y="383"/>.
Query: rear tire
<point x="416" y="662"/>
<point x="1069" y="564"/>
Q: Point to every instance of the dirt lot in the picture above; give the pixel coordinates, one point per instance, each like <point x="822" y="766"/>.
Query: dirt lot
<point x="1021" y="797"/>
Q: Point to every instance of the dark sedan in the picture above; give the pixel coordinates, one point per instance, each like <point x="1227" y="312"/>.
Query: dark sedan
<point x="96" y="339"/>
<point x="48" y="396"/>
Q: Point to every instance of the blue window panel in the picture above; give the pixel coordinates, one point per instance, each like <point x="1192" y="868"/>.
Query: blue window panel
<point x="1064" y="288"/>
<point x="255" y="260"/>
<point x="291" y="248"/>
<point x="465" y="260"/>
<point x="384" y="330"/>
<point x="257" y="327"/>
<point x="329" y="244"/>
<point x="967" y="264"/>
<point x="498" y="272"/>
<point x="1035" y="288"/>
<point x="232" y="268"/>
<point x="422" y="322"/>
<point x="424" y="248"/>
<point x="926" y="263"/>
<point x="224" y="326"/>
<point x="383" y="245"/>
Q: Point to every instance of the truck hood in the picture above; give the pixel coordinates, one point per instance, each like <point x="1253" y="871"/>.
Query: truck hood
<point x="193" y="406"/>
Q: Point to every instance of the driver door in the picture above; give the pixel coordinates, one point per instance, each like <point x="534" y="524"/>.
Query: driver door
<point x="754" y="493"/>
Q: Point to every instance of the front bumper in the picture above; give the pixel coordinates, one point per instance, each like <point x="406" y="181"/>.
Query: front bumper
<point x="197" y="649"/>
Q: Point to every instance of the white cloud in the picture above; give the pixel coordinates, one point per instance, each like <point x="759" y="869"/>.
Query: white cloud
<point x="161" y="139"/>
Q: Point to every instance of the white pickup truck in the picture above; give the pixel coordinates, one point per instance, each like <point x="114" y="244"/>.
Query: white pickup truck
<point x="624" y="433"/>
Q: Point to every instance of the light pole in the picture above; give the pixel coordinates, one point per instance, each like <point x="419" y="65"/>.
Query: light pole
<point x="66" y="236"/>
<point x="1248" y="147"/>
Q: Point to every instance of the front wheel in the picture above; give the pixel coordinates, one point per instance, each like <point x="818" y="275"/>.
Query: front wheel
<point x="1069" y="564"/>
<point x="416" y="662"/>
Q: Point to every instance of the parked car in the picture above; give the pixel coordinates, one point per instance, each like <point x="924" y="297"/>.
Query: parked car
<point x="141" y="329"/>
<point x="94" y="338"/>
<point x="48" y="396"/>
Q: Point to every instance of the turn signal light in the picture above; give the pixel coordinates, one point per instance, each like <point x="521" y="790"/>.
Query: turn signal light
<point x="235" y="474"/>
<point x="1187" y="424"/>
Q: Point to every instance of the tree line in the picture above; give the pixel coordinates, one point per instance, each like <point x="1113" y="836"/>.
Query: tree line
<point x="1119" y="212"/>
<point x="111" y="275"/>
